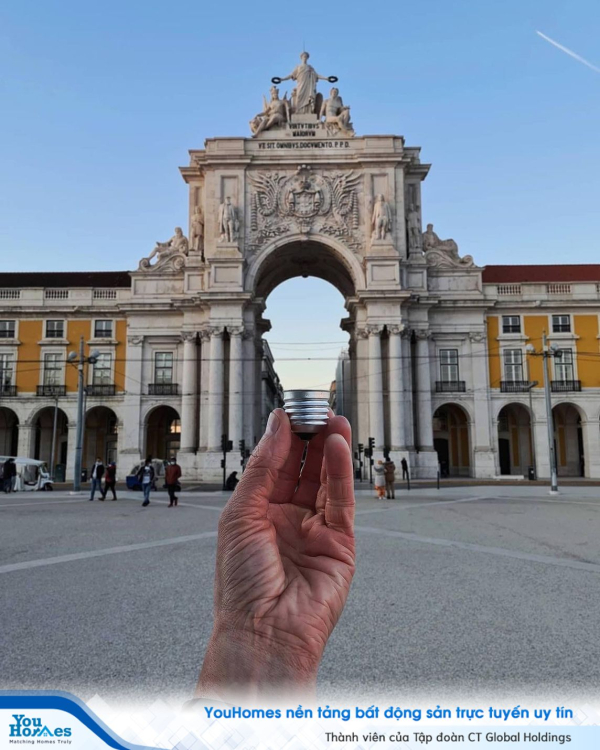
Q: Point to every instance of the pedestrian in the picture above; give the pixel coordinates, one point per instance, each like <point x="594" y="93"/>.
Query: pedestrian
<point x="146" y="478"/>
<point x="404" y="465"/>
<point x="9" y="472"/>
<point x="379" y="479"/>
<point x="172" y="474"/>
<point x="110" y="481"/>
<point x="231" y="481"/>
<point x="390" y="476"/>
<point x="96" y="478"/>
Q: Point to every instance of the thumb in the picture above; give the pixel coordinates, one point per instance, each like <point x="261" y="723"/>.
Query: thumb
<point x="254" y="490"/>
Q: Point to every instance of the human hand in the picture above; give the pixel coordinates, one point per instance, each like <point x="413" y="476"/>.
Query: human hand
<point x="285" y="561"/>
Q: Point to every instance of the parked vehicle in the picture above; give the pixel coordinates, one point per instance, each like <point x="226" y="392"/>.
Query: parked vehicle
<point x="31" y="474"/>
<point x="132" y="481"/>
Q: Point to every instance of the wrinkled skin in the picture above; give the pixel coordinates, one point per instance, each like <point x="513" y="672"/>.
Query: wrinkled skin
<point x="285" y="561"/>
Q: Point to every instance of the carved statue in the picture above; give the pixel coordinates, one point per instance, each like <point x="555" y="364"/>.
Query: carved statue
<point x="382" y="218"/>
<point x="414" y="229"/>
<point x="443" y="253"/>
<point x="432" y="242"/>
<point x="197" y="230"/>
<point x="304" y="100"/>
<point x="177" y="244"/>
<point x="228" y="221"/>
<point x="274" y="113"/>
<point x="334" y="111"/>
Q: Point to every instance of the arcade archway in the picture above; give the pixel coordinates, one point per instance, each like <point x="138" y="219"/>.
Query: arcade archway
<point x="163" y="432"/>
<point x="100" y="437"/>
<point x="451" y="440"/>
<point x="9" y="432"/>
<point x="568" y="440"/>
<point x="515" y="453"/>
<point x="43" y="430"/>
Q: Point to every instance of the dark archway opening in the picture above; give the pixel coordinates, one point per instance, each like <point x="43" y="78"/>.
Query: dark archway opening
<point x="163" y="433"/>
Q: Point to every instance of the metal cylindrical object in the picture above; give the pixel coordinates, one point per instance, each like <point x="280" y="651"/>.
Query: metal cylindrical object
<point x="308" y="411"/>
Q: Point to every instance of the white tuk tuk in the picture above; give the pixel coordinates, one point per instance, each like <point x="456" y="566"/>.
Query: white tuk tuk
<point x="31" y="474"/>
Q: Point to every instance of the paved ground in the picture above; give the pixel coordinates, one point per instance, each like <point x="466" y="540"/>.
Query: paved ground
<point x="465" y="589"/>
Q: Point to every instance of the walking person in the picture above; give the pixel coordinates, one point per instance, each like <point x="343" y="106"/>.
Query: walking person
<point x="404" y="465"/>
<point x="146" y="478"/>
<point x="110" y="481"/>
<point x="379" y="479"/>
<point x="172" y="474"/>
<point x="96" y="478"/>
<point x="9" y="472"/>
<point x="390" y="477"/>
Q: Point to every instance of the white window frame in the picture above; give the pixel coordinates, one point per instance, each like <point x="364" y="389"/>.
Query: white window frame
<point x="512" y="333"/>
<point x="16" y="331"/>
<point x="61" y="370"/>
<point x="64" y="329"/>
<point x="506" y="364"/>
<point x="173" y="355"/>
<point x="112" y="329"/>
<point x="559" y="364"/>
<point x="561" y="315"/>
<point x="449" y="364"/>
<point x="13" y="368"/>
<point x="110" y="369"/>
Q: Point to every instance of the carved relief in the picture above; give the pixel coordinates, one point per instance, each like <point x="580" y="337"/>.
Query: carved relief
<point x="229" y="224"/>
<point x="443" y="253"/>
<point x="170" y="255"/>
<point x="304" y="202"/>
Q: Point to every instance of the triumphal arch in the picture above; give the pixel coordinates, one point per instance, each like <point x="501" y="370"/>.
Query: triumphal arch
<point x="304" y="195"/>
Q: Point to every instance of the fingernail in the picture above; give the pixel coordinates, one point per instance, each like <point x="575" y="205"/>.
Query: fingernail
<point x="272" y="424"/>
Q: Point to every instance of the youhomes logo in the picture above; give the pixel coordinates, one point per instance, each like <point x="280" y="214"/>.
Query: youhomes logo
<point x="26" y="726"/>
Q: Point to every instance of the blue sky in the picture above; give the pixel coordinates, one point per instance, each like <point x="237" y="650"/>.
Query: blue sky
<point x="100" y="102"/>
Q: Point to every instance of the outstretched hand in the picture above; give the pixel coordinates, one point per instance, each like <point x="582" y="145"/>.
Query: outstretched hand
<point x="285" y="561"/>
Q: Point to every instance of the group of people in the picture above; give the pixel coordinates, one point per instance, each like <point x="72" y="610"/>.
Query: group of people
<point x="9" y="475"/>
<point x="109" y="473"/>
<point x="385" y="477"/>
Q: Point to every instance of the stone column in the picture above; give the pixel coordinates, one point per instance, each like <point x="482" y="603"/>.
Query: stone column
<point x="481" y="450"/>
<point x="396" y="397"/>
<point x="25" y="447"/>
<point x="408" y="429"/>
<point x="236" y="386"/>
<point x="424" y="391"/>
<point x="215" y="380"/>
<point x="361" y="386"/>
<point x="131" y="439"/>
<point x="204" y="388"/>
<point x="376" y="429"/>
<point x="591" y="447"/>
<point x="189" y="396"/>
<point x="249" y="370"/>
<point x="71" y="449"/>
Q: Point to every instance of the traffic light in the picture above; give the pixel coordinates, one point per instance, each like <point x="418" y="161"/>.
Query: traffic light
<point x="226" y="445"/>
<point x="361" y="447"/>
<point x="371" y="445"/>
<point x="242" y="447"/>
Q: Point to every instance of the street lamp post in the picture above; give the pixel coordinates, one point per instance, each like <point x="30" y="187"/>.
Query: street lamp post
<point x="81" y="360"/>
<point x="547" y="352"/>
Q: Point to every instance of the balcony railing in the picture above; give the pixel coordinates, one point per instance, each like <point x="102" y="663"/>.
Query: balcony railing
<point x="101" y="390"/>
<point x="7" y="390"/>
<point x="450" y="386"/>
<point x="163" y="389"/>
<point x="560" y="386"/>
<point x="515" y="386"/>
<point x="51" y="391"/>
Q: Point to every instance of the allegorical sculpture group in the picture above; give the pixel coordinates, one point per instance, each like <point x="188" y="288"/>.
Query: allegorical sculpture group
<point x="304" y="100"/>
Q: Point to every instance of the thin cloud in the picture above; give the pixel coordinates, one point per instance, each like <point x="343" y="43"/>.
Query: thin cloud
<point x="569" y="52"/>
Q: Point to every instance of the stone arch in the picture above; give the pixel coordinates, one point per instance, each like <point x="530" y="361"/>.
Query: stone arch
<point x="42" y="423"/>
<point x="100" y="435"/>
<point x="9" y="432"/>
<point x="568" y="422"/>
<point x="295" y="255"/>
<point x="515" y="445"/>
<point x="452" y="439"/>
<point x="162" y="432"/>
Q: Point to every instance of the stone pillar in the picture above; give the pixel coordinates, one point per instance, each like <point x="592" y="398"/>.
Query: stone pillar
<point x="409" y="429"/>
<point x="215" y="380"/>
<point x="131" y="438"/>
<point x="236" y="386"/>
<point x="189" y="396"/>
<point x="424" y="392"/>
<point x="396" y="397"/>
<point x="591" y="447"/>
<point x="71" y="449"/>
<point x="204" y="388"/>
<point x="25" y="447"/>
<point x="540" y="442"/>
<point x="361" y="386"/>
<point x="480" y="439"/>
<point x="249" y="370"/>
<point x="376" y="427"/>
